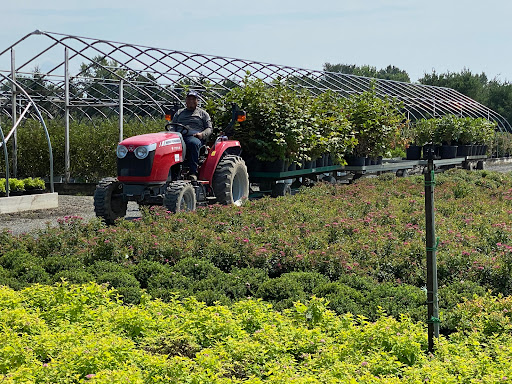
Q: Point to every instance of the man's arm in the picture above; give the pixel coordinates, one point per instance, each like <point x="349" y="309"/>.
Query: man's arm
<point x="208" y="128"/>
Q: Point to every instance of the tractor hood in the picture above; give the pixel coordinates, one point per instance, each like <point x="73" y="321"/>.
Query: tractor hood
<point x="159" y="138"/>
<point x="147" y="158"/>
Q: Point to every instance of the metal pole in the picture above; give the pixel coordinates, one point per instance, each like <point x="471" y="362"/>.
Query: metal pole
<point x="6" y="156"/>
<point x="14" y="115"/>
<point x="431" y="247"/>
<point x="67" y="173"/>
<point x="121" y="110"/>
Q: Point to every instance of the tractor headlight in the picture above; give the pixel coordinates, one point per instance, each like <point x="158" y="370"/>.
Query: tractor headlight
<point x="121" y="151"/>
<point x="143" y="151"/>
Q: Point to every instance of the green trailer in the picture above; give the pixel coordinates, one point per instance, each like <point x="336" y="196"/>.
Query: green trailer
<point x="282" y="183"/>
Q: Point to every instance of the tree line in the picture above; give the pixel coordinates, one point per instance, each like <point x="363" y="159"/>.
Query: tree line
<point x="493" y="93"/>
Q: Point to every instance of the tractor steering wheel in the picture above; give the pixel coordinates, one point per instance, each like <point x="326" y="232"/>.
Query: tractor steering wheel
<point x="177" y="127"/>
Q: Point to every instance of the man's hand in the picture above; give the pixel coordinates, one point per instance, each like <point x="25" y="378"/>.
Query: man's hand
<point x="199" y="135"/>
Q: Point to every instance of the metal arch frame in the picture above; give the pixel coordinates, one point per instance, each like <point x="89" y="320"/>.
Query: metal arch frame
<point x="168" y="68"/>
<point x="32" y="104"/>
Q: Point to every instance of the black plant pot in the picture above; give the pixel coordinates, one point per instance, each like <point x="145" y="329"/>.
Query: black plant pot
<point x="356" y="161"/>
<point x="292" y="166"/>
<point x="308" y="164"/>
<point x="252" y="163"/>
<point x="274" y="166"/>
<point x="463" y="150"/>
<point x="35" y="191"/>
<point x="413" y="152"/>
<point x="448" y="151"/>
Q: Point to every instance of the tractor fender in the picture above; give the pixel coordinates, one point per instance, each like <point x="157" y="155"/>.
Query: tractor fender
<point x="208" y="168"/>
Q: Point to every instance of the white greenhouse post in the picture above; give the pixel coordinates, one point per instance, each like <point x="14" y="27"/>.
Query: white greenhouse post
<point x="67" y="172"/>
<point x="121" y="110"/>
<point x="14" y="114"/>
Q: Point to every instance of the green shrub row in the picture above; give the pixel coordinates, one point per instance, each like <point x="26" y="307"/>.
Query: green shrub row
<point x="354" y="294"/>
<point x="92" y="147"/>
<point x="452" y="130"/>
<point x="83" y="334"/>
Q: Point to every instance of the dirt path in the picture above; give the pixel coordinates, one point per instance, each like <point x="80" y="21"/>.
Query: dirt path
<point x="29" y="221"/>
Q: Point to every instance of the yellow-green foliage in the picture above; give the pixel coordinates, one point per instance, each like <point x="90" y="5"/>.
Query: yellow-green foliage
<point x="78" y="334"/>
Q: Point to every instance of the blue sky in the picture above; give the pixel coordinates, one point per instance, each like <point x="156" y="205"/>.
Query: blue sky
<point x="416" y="36"/>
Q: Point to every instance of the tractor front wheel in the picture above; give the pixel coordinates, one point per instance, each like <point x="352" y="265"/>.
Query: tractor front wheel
<point x="180" y="196"/>
<point x="231" y="181"/>
<point x="108" y="200"/>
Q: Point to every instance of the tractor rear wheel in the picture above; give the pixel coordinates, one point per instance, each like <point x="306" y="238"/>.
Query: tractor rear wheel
<point x="108" y="200"/>
<point x="180" y="196"/>
<point x="231" y="181"/>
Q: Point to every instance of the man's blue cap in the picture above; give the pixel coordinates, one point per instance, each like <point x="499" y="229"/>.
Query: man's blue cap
<point x="193" y="93"/>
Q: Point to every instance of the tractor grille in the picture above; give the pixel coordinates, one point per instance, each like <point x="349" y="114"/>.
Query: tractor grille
<point x="131" y="166"/>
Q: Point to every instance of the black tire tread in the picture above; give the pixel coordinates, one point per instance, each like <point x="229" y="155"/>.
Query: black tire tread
<point x="103" y="201"/>
<point x="223" y="177"/>
<point x="172" y="194"/>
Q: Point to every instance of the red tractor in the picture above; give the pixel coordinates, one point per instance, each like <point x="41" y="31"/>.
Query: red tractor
<point x="151" y="171"/>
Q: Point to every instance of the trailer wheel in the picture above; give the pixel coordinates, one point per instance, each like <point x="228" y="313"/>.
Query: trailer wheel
<point x="402" y="173"/>
<point x="180" y="196"/>
<point x="281" y="189"/>
<point x="231" y="181"/>
<point x="108" y="200"/>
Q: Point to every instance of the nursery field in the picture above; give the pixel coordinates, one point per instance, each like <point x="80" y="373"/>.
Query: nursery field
<point x="324" y="286"/>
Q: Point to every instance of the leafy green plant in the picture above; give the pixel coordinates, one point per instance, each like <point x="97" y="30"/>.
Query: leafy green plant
<point x="284" y="123"/>
<point x="485" y="130"/>
<point x="376" y="122"/>
<point x="502" y="144"/>
<point x="82" y="333"/>
<point x="422" y="132"/>
<point x="447" y="130"/>
<point x="16" y="185"/>
<point x="33" y="183"/>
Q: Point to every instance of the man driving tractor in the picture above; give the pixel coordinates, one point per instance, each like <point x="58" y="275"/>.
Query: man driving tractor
<point x="200" y="128"/>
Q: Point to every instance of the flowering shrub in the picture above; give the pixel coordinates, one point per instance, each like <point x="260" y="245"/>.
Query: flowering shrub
<point x="359" y="245"/>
